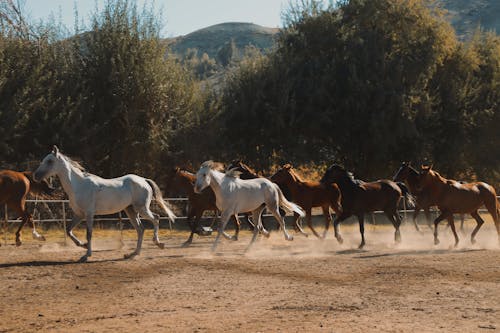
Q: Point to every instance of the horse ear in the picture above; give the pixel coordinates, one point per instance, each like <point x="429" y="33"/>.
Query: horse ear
<point x="287" y="166"/>
<point x="55" y="150"/>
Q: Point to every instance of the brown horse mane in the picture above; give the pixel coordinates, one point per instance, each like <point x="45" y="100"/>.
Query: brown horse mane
<point x="213" y="165"/>
<point x="293" y="173"/>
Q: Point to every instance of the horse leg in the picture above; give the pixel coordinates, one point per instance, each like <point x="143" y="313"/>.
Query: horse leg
<point x="336" y="224"/>
<point x="192" y="226"/>
<point x="90" y="224"/>
<point x="25" y="218"/>
<point x="297" y="226"/>
<point x="361" y="220"/>
<point x="35" y="233"/>
<point x="281" y="221"/>
<point x="237" y="224"/>
<point x="441" y="217"/>
<point x="451" y="223"/>
<point x="257" y="218"/>
<point x="480" y="222"/>
<point x="428" y="218"/>
<point x="309" y="220"/>
<point x="462" y="221"/>
<point x="155" y="219"/>
<point x="133" y="216"/>
<point x="396" y="222"/>
<point x="328" y="219"/>
<point x="224" y="219"/>
<point x="416" y="210"/>
<point x="69" y="230"/>
<point x="251" y="225"/>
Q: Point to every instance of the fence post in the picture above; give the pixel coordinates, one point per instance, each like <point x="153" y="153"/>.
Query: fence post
<point x="5" y="226"/>
<point x="64" y="220"/>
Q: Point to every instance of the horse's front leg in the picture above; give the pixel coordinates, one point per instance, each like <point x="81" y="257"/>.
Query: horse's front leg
<point x="336" y="223"/>
<point x="328" y="220"/>
<point x="309" y="220"/>
<point x="69" y="230"/>
<point x="90" y="225"/>
<point x="224" y="219"/>
<point x="361" y="220"/>
<point x="441" y="217"/>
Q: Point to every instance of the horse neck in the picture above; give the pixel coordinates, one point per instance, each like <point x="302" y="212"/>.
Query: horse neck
<point x="186" y="181"/>
<point x="216" y="181"/>
<point x="412" y="179"/>
<point x="293" y="181"/>
<point x="69" y="177"/>
<point x="345" y="182"/>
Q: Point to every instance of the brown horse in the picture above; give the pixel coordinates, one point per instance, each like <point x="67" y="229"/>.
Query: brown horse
<point x="309" y="194"/>
<point x="198" y="203"/>
<point x="406" y="173"/>
<point x="453" y="197"/>
<point x="14" y="188"/>
<point x="359" y="198"/>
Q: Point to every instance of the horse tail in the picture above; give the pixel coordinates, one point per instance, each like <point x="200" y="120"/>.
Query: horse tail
<point x="410" y="199"/>
<point x="159" y="198"/>
<point x="288" y="205"/>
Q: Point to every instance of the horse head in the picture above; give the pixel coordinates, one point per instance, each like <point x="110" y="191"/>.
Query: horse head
<point x="284" y="175"/>
<point x="334" y="173"/>
<point x="403" y="172"/>
<point x="203" y="177"/>
<point x="49" y="166"/>
<point x="426" y="177"/>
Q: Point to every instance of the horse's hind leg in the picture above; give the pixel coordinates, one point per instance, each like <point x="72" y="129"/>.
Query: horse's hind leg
<point x="90" y="224"/>
<point x="155" y="219"/>
<point x="396" y="222"/>
<point x="451" y="223"/>
<point x="133" y="216"/>
<point x="361" y="220"/>
<point x="480" y="222"/>
<point x="69" y="230"/>
<point x="281" y="220"/>
<point x="192" y="225"/>
<point x="257" y="219"/>
<point x="297" y="226"/>
<point x="328" y="220"/>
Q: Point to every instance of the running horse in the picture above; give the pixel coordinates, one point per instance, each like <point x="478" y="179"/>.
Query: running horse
<point x="309" y="194"/>
<point x="235" y="195"/>
<point x="407" y="174"/>
<point x="91" y="195"/>
<point x="359" y="197"/>
<point x="198" y="203"/>
<point x="14" y="189"/>
<point x="452" y="197"/>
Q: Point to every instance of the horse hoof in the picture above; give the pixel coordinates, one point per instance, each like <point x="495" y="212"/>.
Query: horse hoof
<point x="289" y="238"/>
<point x="361" y="246"/>
<point x="340" y="240"/>
<point x="186" y="244"/>
<point x="83" y="259"/>
<point x="41" y="238"/>
<point x="160" y="245"/>
<point x="473" y="241"/>
<point x="85" y="246"/>
<point x="130" y="256"/>
<point x="436" y="241"/>
<point x="18" y="242"/>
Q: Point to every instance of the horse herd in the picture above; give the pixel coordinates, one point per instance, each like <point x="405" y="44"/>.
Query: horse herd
<point x="241" y="191"/>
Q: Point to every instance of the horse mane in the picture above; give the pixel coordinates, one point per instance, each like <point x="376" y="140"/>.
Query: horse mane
<point x="295" y="175"/>
<point x="234" y="173"/>
<point x="212" y="165"/>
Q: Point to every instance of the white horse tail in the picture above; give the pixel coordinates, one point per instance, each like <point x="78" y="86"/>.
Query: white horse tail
<point x="287" y="205"/>
<point x="159" y="198"/>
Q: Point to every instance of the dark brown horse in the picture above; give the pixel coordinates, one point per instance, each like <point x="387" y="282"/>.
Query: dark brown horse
<point x="359" y="198"/>
<point x="183" y="180"/>
<point x="406" y="173"/>
<point x="309" y="194"/>
<point x="14" y="188"/>
<point x="453" y="197"/>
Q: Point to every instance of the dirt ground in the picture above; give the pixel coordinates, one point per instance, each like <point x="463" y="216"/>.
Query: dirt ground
<point x="306" y="285"/>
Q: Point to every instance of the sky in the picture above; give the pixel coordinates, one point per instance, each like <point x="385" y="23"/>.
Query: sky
<point x="180" y="16"/>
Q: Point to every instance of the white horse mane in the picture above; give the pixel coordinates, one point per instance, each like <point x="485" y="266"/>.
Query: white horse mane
<point x="234" y="173"/>
<point x="212" y="165"/>
<point x="75" y="164"/>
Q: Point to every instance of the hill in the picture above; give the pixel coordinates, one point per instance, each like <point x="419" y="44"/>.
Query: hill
<point x="212" y="39"/>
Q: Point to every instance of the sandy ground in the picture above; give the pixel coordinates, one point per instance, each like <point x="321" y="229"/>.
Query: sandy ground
<point x="306" y="285"/>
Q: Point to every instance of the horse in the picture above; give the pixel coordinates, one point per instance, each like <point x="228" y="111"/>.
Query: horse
<point x="247" y="173"/>
<point x="198" y="203"/>
<point x="14" y="189"/>
<point x="309" y="194"/>
<point x="91" y="195"/>
<point x="453" y="197"/>
<point x="234" y="195"/>
<point x="407" y="174"/>
<point x="359" y="197"/>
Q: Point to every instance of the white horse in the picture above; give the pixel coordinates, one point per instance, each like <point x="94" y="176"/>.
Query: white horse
<point x="234" y="195"/>
<point x="91" y="195"/>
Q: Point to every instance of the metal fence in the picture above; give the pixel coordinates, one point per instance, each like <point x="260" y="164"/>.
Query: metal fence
<point x="45" y="213"/>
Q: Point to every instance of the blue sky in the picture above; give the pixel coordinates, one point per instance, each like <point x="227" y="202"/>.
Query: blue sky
<point x="180" y="16"/>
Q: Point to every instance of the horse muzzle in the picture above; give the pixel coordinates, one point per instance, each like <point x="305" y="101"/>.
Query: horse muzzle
<point x="38" y="175"/>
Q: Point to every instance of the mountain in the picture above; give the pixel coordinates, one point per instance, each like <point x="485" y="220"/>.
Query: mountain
<point x="212" y="39"/>
<point x="467" y="15"/>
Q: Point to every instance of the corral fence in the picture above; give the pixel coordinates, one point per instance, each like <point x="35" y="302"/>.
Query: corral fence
<point x="58" y="213"/>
